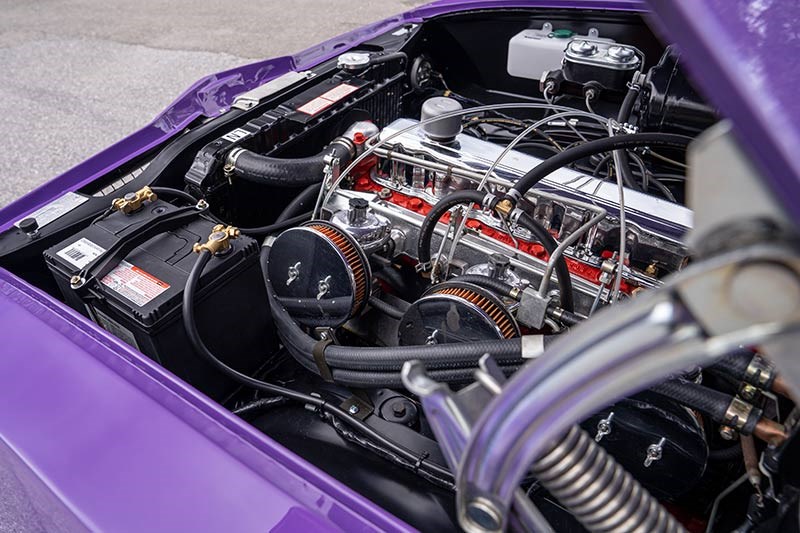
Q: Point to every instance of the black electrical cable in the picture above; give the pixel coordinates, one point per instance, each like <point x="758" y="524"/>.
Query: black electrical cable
<point x="260" y="404"/>
<point x="599" y="146"/>
<point x="177" y="193"/>
<point x="301" y="203"/>
<point x="196" y="341"/>
<point x="277" y="226"/>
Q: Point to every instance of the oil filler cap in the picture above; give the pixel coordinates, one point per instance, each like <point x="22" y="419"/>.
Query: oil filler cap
<point x="446" y="129"/>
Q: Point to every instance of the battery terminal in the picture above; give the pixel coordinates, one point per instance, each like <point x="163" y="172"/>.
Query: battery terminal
<point x="133" y="201"/>
<point x="219" y="242"/>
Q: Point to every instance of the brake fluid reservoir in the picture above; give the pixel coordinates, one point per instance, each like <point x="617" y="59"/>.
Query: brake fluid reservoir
<point x="533" y="52"/>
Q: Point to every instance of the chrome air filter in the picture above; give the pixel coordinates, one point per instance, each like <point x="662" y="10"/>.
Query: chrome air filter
<point x="319" y="274"/>
<point x="456" y="312"/>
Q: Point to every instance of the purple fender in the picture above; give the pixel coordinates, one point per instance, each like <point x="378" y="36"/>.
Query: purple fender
<point x="93" y="435"/>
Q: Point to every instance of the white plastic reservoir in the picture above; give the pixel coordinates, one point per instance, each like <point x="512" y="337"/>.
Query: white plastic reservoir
<point x="533" y="52"/>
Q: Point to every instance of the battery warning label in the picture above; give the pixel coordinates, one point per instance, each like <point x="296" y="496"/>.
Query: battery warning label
<point x="134" y="284"/>
<point x="325" y="100"/>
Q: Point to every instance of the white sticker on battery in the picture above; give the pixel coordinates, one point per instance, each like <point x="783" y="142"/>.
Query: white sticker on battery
<point x="327" y="99"/>
<point x="55" y="209"/>
<point x="134" y="284"/>
<point x="81" y="252"/>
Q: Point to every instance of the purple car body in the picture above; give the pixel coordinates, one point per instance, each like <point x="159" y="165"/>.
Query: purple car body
<point x="119" y="443"/>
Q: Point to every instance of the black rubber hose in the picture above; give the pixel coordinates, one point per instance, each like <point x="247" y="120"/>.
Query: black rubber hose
<point x="276" y="172"/>
<point x="437" y="212"/>
<point x="561" y="269"/>
<point x="726" y="454"/>
<point x="599" y="146"/>
<point x="733" y="365"/>
<point x="626" y="108"/>
<point x="366" y="380"/>
<point x="565" y="317"/>
<point x="385" y="58"/>
<point x="302" y="202"/>
<point x="704" y="399"/>
<point x="277" y="226"/>
<point x="196" y="341"/>
<point x="386" y="308"/>
<point x="495" y="285"/>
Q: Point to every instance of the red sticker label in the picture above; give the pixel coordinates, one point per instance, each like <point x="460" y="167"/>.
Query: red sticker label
<point x="327" y="99"/>
<point x="133" y="283"/>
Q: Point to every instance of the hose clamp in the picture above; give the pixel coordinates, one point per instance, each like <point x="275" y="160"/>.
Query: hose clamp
<point x="738" y="414"/>
<point x="489" y="200"/>
<point x="759" y="372"/>
<point x="513" y="218"/>
<point x="230" y="161"/>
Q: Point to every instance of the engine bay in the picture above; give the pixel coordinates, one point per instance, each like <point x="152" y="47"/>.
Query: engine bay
<point x="434" y="208"/>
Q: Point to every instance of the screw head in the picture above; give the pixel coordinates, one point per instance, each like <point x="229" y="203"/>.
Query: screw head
<point x="727" y="432"/>
<point x="353" y="409"/>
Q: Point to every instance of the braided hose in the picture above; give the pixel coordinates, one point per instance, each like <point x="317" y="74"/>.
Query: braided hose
<point x="601" y="494"/>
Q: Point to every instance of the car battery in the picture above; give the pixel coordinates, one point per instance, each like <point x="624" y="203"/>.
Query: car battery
<point x="140" y="299"/>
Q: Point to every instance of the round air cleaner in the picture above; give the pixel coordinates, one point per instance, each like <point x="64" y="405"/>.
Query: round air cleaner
<point x="319" y="274"/>
<point x="456" y="312"/>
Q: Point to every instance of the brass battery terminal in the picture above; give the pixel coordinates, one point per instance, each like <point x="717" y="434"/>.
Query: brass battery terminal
<point x="133" y="201"/>
<point x="219" y="242"/>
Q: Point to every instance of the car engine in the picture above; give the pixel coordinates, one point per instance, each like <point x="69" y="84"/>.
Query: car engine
<point x="363" y="259"/>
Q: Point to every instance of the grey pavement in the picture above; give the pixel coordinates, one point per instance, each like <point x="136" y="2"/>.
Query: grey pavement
<point x="79" y="75"/>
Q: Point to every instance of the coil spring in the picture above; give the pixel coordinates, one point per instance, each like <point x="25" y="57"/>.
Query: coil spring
<point x="600" y="493"/>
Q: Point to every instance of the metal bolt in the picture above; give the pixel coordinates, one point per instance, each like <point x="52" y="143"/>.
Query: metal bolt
<point x="76" y="281"/>
<point x="353" y="409"/>
<point x="654" y="452"/>
<point x="727" y="432"/>
<point x="748" y="392"/>
<point x="399" y="409"/>
<point x="384" y="193"/>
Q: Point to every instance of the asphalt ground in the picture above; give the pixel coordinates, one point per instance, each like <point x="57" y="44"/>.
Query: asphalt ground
<point x="79" y="75"/>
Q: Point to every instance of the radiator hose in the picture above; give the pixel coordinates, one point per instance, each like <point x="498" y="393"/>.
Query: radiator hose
<point x="286" y="173"/>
